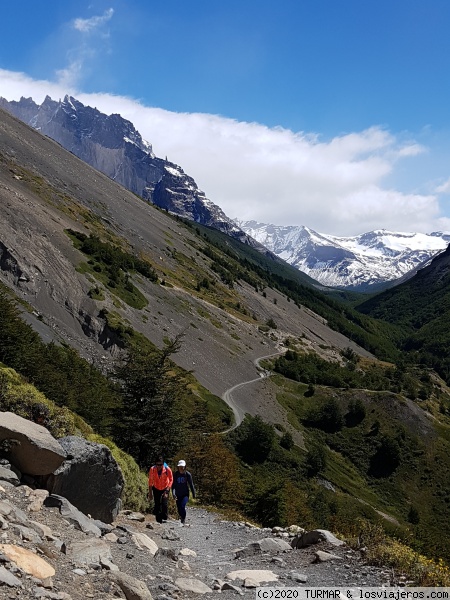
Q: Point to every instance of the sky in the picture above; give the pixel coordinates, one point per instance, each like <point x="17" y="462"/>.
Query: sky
<point x="334" y="114"/>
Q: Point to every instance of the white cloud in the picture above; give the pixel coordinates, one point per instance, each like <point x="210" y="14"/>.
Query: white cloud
<point x="88" y="25"/>
<point x="444" y="188"/>
<point x="273" y="175"/>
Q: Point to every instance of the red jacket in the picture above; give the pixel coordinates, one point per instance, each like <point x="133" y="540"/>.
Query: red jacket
<point x="162" y="481"/>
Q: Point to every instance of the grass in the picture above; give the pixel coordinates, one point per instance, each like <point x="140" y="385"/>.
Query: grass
<point x="422" y="477"/>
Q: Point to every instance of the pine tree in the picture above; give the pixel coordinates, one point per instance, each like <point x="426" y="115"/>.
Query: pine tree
<point x="150" y="422"/>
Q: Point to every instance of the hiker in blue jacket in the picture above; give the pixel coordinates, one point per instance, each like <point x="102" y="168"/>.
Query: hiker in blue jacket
<point x="182" y="482"/>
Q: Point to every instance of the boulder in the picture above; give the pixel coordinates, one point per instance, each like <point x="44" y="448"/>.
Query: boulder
<point x="88" y="552"/>
<point x="264" y="545"/>
<point x="315" y="537"/>
<point x="28" y="561"/>
<point x="102" y="480"/>
<point x="321" y="556"/>
<point x="195" y="586"/>
<point x="257" y="576"/>
<point x="33" y="450"/>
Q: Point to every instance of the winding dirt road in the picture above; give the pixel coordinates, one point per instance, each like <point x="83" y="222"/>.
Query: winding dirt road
<point x="227" y="396"/>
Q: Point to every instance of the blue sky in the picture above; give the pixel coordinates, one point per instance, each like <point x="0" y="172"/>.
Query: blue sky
<point x="333" y="114"/>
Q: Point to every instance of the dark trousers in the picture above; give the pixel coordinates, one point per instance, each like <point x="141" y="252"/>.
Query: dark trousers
<point x="181" y="506"/>
<point x="161" y="500"/>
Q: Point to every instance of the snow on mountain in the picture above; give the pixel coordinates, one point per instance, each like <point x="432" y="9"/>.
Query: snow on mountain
<point x="358" y="262"/>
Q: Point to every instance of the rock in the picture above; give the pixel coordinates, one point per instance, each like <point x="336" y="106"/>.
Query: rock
<point x="314" y="537"/>
<point x="41" y="593"/>
<point x="26" y="533"/>
<point x="12" y="513"/>
<point x="43" y="530"/>
<point x="108" y="565"/>
<point x="187" y="552"/>
<point x="37" y="498"/>
<point x="9" y="476"/>
<point x="321" y="556"/>
<point x="264" y="545"/>
<point x="136" y="516"/>
<point x="257" y="575"/>
<point x="295" y="529"/>
<point x="300" y="577"/>
<point x="167" y="553"/>
<point x="28" y="561"/>
<point x="229" y="586"/>
<point x="7" y="578"/>
<point x="72" y="514"/>
<point x="183" y="565"/>
<point x="192" y="585"/>
<point x="89" y="552"/>
<point x="94" y="465"/>
<point x="134" y="589"/>
<point x="143" y="541"/>
<point x="33" y="449"/>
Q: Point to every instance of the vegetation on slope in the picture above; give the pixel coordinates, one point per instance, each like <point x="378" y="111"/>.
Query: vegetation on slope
<point x="420" y="310"/>
<point x="235" y="261"/>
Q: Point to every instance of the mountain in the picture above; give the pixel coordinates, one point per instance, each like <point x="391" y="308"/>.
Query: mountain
<point x="112" y="145"/>
<point x="94" y="268"/>
<point x="365" y="262"/>
<point x="421" y="308"/>
<point x="213" y="294"/>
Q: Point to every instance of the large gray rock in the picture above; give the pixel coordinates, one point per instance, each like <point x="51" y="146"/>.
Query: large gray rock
<point x="265" y="545"/>
<point x="90" y="479"/>
<point x="315" y="537"/>
<point x="33" y="450"/>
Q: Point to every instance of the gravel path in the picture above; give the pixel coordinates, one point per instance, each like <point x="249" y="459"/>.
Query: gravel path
<point x="215" y="539"/>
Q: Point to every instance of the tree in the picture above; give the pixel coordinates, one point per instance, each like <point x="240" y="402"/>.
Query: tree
<point x="151" y="419"/>
<point x="215" y="470"/>
<point x="287" y="441"/>
<point x="386" y="458"/>
<point x="356" y="412"/>
<point x="253" y="439"/>
<point x="316" y="460"/>
<point x="326" y="416"/>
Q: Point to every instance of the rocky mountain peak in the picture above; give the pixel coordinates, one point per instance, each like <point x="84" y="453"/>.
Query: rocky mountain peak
<point x="112" y="145"/>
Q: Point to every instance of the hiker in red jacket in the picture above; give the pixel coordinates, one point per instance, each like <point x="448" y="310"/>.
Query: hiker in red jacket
<point x="160" y="479"/>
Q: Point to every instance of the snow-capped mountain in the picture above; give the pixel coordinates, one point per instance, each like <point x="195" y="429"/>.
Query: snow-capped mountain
<point x="364" y="262"/>
<point x="112" y="145"/>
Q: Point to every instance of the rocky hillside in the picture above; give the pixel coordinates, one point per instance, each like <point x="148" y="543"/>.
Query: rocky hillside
<point x="50" y="549"/>
<point x="113" y="146"/>
<point x="45" y="191"/>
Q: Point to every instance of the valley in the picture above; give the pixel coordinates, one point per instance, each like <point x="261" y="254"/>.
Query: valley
<point x="349" y="422"/>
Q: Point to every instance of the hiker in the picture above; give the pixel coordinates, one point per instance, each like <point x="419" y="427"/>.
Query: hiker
<point x="182" y="482"/>
<point x="160" y="479"/>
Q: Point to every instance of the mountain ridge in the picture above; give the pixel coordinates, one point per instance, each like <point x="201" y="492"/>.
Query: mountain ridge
<point x="366" y="262"/>
<point x="112" y="145"/>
